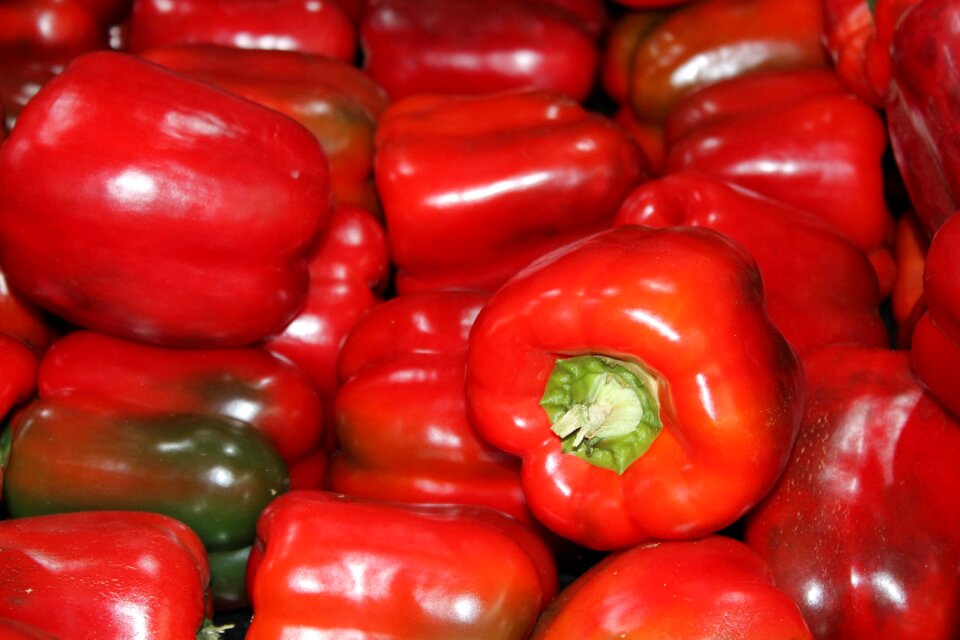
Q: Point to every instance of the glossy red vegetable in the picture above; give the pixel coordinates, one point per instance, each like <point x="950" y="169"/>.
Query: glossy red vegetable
<point x="89" y="576"/>
<point x="18" y="373"/>
<point x="52" y="31"/>
<point x="819" y="287"/>
<point x="935" y="345"/>
<point x="474" y="188"/>
<point x="704" y="589"/>
<point x="639" y="377"/>
<point x="432" y="572"/>
<point x="910" y="246"/>
<point x="862" y="528"/>
<point x="476" y="47"/>
<point x="188" y="225"/>
<point x="23" y="320"/>
<point x="14" y="630"/>
<point x="922" y="107"/>
<point x="310" y="26"/>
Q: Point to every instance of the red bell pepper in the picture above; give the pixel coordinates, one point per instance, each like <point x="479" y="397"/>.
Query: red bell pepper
<point x="311" y="26"/>
<point x="821" y="151"/>
<point x="476" y="47"/>
<point x="922" y="107"/>
<point x="639" y="377"/>
<point x="820" y="288"/>
<point x="14" y="630"/>
<point x="401" y="415"/>
<point x="337" y="102"/>
<point x="616" y="57"/>
<point x="474" y="188"/>
<point x="18" y="373"/>
<point x="710" y="588"/>
<point x="862" y="528"/>
<point x="910" y="246"/>
<point x="52" y="31"/>
<point x="188" y="225"/>
<point x="429" y="572"/>
<point x="96" y="575"/>
<point x="935" y="345"/>
<point x="22" y="320"/>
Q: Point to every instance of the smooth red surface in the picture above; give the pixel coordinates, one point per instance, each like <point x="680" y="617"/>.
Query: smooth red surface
<point x="862" y="528"/>
<point x="686" y="304"/>
<point x="184" y="222"/>
<point x="18" y="373"/>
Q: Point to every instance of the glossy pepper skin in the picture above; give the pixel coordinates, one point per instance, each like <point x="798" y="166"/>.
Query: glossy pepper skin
<point x="337" y="102"/>
<point x="104" y="575"/>
<point x="474" y="188"/>
<point x="401" y="416"/>
<point x="14" y="630"/>
<point x="476" y="47"/>
<point x="639" y="377"/>
<point x="922" y="107"/>
<point x="188" y="225"/>
<point x="442" y="572"/>
<point x="820" y="288"/>
<point x="821" y="151"/>
<point x="22" y="320"/>
<point x="715" y="587"/>
<point x="18" y="373"/>
<point x="311" y="26"/>
<point x="935" y="345"/>
<point x="862" y="528"/>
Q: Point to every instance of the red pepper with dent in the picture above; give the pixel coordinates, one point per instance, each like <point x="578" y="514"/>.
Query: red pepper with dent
<point x="433" y="571"/>
<point x="639" y="377"/>
<point x="337" y="102"/>
<point x="474" y="188"/>
<point x="188" y="225"/>
<point x="923" y="105"/>
<point x="935" y="345"/>
<point x="401" y="415"/>
<point x="476" y="47"/>
<point x="819" y="288"/>
<point x="813" y="148"/>
<point x="703" y="589"/>
<point x="862" y="528"/>
<point x="89" y="576"/>
<point x="310" y="26"/>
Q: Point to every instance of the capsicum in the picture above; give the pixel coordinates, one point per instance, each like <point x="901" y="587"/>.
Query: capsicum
<point x="862" y="528"/>
<point x="95" y="575"/>
<point x="437" y="571"/>
<point x="639" y="377"/>
<point x="475" y="187"/>
<point x="189" y="224"/>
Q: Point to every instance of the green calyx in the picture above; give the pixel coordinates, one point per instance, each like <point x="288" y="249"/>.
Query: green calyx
<point x="209" y="631"/>
<point x="604" y="410"/>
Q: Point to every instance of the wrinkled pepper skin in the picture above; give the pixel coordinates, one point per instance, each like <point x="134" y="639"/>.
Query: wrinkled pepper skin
<point x="922" y="107"/>
<point x="337" y="102"/>
<point x="821" y="152"/>
<point x="188" y="225"/>
<point x="440" y="572"/>
<point x="311" y="26"/>
<point x="246" y="384"/>
<point x="704" y="42"/>
<point x="476" y="47"/>
<point x="401" y="418"/>
<point x="820" y="289"/>
<point x="474" y="188"/>
<point x="97" y="575"/>
<point x="704" y="589"/>
<point x="673" y="400"/>
<point x="862" y="528"/>
<point x="935" y="345"/>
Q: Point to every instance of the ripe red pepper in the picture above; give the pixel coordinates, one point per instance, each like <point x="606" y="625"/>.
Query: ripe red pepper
<point x="310" y="26"/>
<point x="14" y="630"/>
<point x="862" y="528"/>
<point x="710" y="588"/>
<point x="22" y="320"/>
<point x="188" y="225"/>
<point x="435" y="572"/>
<point x="18" y="374"/>
<point x="476" y="47"/>
<point x="922" y="107"/>
<point x="474" y="188"/>
<point x="52" y="31"/>
<point x="639" y="377"/>
<point x="95" y="575"/>
<point x="820" y="288"/>
<point x="401" y="415"/>
<point x="935" y="345"/>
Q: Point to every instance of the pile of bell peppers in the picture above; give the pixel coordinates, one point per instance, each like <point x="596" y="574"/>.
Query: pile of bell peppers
<point x="529" y="319"/>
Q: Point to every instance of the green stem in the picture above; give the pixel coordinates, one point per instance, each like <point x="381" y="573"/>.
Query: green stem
<point x="209" y="631"/>
<point x="605" y="411"/>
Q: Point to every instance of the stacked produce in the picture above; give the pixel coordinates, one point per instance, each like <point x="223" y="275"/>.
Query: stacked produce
<point x="530" y="319"/>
